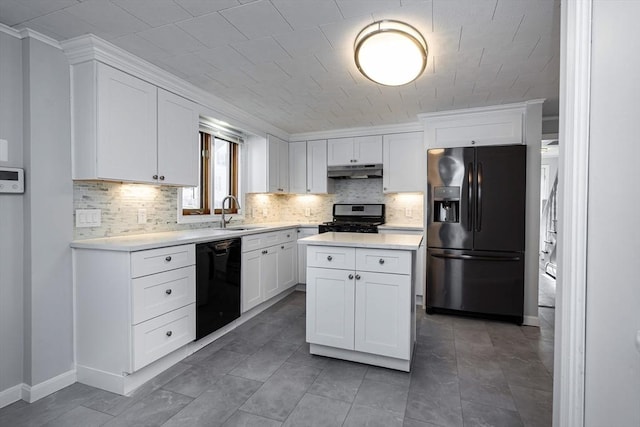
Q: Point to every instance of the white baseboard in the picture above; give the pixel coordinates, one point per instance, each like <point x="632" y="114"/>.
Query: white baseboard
<point x="45" y="388"/>
<point x="531" y="321"/>
<point x="10" y="395"/>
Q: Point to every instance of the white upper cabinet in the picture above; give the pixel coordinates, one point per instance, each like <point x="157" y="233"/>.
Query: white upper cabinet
<point x="503" y="126"/>
<point x="117" y="135"/>
<point x="268" y="165"/>
<point x="177" y="140"/>
<point x="404" y="163"/>
<point x="352" y="151"/>
<point x="298" y="167"/>
<point x="317" y="181"/>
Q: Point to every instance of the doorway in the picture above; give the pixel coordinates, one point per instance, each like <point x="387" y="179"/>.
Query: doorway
<point x="548" y="223"/>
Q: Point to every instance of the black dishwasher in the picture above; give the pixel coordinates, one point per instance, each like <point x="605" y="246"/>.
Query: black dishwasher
<point x="217" y="285"/>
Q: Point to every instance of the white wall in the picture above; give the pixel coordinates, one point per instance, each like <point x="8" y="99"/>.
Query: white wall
<point x="48" y="313"/>
<point x="11" y="223"/>
<point x="612" y="373"/>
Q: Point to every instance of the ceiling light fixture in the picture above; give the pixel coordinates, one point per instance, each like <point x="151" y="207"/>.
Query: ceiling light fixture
<point x="390" y="53"/>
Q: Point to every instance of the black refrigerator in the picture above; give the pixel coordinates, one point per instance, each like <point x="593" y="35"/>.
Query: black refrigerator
<point x="476" y="231"/>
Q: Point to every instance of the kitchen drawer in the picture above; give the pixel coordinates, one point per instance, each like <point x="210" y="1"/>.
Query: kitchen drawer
<point x="158" y="260"/>
<point x="160" y="293"/>
<point x="289" y="235"/>
<point x="162" y="335"/>
<point x="331" y="257"/>
<point x="260" y="240"/>
<point x="383" y="261"/>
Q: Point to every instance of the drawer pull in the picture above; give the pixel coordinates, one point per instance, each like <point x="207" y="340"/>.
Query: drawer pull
<point x="288" y="235"/>
<point x="350" y="276"/>
<point x="169" y="333"/>
<point x="168" y="292"/>
<point x="155" y="176"/>
<point x="357" y="277"/>
<point x="265" y="252"/>
<point x="329" y="258"/>
<point x="381" y="261"/>
<point x="168" y="259"/>
<point x="281" y="247"/>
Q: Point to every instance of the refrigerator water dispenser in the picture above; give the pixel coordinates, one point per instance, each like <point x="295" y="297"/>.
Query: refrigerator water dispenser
<point x="446" y="204"/>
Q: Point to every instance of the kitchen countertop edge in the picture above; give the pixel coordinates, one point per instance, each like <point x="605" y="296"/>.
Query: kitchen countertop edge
<point x="365" y="240"/>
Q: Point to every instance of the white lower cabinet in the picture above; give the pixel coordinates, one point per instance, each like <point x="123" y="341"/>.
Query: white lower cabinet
<point x="267" y="268"/>
<point x="302" y="252"/>
<point x="132" y="309"/>
<point x="360" y="304"/>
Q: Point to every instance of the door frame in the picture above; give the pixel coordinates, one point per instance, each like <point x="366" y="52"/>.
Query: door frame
<point x="575" y="77"/>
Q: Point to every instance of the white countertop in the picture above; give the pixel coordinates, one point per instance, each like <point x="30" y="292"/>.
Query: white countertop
<point x="365" y="240"/>
<point x="138" y="242"/>
<point x="400" y="226"/>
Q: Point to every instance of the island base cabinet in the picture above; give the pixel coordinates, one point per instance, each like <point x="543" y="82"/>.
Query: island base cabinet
<point x="383" y="314"/>
<point x="330" y="307"/>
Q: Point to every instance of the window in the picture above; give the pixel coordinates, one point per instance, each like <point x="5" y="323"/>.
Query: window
<point x="219" y="171"/>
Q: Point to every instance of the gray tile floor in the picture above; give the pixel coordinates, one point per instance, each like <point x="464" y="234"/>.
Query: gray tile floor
<point x="466" y="372"/>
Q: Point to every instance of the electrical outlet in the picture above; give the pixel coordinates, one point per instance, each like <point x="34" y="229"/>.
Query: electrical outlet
<point x="255" y="212"/>
<point x="407" y="212"/>
<point x="307" y="211"/>
<point x="265" y="212"/>
<point x="142" y="216"/>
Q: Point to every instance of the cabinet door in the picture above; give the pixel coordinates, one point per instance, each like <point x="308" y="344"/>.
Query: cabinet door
<point x="127" y="127"/>
<point x="287" y="265"/>
<point x="298" y="167"/>
<point x="283" y="166"/>
<point x="367" y="149"/>
<point x="383" y="314"/>
<point x="404" y="162"/>
<point x="269" y="272"/>
<point x="272" y="171"/>
<point x="330" y="307"/>
<point x="317" y="181"/>
<point x="252" y="293"/>
<point x="177" y="140"/>
<point x="302" y="253"/>
<point x="340" y="151"/>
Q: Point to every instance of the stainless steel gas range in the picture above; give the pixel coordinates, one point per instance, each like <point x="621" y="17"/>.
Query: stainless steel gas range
<point x="355" y="218"/>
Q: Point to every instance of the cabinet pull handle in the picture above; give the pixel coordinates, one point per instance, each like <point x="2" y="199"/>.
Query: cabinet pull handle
<point x="264" y="252"/>
<point x="350" y="276"/>
<point x="357" y="277"/>
<point x="381" y="261"/>
<point x="329" y="258"/>
<point x="169" y="333"/>
<point x="282" y="247"/>
<point x="168" y="292"/>
<point x="155" y="176"/>
<point x="161" y="177"/>
<point x="168" y="259"/>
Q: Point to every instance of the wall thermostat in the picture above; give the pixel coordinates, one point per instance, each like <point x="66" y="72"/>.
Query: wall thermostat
<point x="11" y="180"/>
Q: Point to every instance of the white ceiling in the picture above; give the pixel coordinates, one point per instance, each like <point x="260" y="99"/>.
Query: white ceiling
<point x="290" y="62"/>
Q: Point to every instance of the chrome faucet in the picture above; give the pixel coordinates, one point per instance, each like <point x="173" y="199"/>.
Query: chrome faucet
<point x="224" y="222"/>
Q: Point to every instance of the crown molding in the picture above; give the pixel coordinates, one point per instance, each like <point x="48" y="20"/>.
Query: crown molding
<point x="24" y="33"/>
<point x="359" y="131"/>
<point x="487" y="109"/>
<point x="91" y="48"/>
<point x="10" y="31"/>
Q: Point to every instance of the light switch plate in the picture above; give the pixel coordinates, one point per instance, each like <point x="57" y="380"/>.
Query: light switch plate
<point x="407" y="212"/>
<point x="88" y="218"/>
<point x="142" y="216"/>
<point x="307" y="211"/>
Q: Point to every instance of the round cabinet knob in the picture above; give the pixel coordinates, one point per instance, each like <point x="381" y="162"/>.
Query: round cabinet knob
<point x="168" y="292"/>
<point x="168" y="259"/>
<point x="329" y="258"/>
<point x="473" y="142"/>
<point x="169" y="333"/>
<point x="298" y="231"/>
<point x="155" y="176"/>
<point x="350" y="276"/>
<point x="384" y="188"/>
<point x="357" y="277"/>
<point x="161" y="177"/>
<point x="288" y="235"/>
<point x="381" y="261"/>
<point x="281" y="247"/>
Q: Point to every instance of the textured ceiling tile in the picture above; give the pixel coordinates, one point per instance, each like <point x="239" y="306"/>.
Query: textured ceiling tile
<point x="203" y="7"/>
<point x="416" y="14"/>
<point x="60" y="25"/>
<point x="266" y="73"/>
<point x="212" y="30"/>
<point x="448" y="14"/>
<point x="224" y="57"/>
<point x="154" y="12"/>
<point x="172" y="39"/>
<point x="139" y="46"/>
<point x="302" y="14"/>
<point x="111" y="20"/>
<point x="303" y="42"/>
<point x="189" y="64"/>
<point x="257" y="19"/>
<point x="261" y="50"/>
<point x="302" y="66"/>
<point x="351" y="8"/>
<point x="14" y="12"/>
<point x="342" y="34"/>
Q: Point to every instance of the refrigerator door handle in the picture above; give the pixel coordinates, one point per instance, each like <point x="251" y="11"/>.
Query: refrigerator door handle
<point x="479" y="199"/>
<point x="476" y="257"/>
<point x="470" y="197"/>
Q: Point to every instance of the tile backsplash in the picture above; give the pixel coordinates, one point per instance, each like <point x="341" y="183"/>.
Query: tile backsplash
<point x="120" y="202"/>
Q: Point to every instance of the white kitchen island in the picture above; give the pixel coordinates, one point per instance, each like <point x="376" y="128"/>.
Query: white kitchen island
<point x="361" y="297"/>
